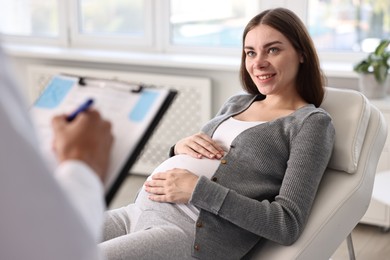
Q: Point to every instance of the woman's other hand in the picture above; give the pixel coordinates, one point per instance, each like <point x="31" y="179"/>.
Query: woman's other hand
<point x="173" y="186"/>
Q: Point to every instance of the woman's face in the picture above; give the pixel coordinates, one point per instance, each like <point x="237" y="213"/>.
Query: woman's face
<point x="271" y="60"/>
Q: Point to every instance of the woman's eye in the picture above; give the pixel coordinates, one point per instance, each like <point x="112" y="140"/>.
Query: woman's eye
<point x="250" y="54"/>
<point x="273" y="50"/>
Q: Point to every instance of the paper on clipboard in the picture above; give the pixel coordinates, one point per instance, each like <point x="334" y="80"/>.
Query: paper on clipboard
<point x="133" y="115"/>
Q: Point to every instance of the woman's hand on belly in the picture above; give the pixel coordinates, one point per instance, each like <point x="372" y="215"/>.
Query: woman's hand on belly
<point x="174" y="186"/>
<point x="199" y="145"/>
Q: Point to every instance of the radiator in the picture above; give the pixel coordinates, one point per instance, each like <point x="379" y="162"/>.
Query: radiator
<point x="190" y="110"/>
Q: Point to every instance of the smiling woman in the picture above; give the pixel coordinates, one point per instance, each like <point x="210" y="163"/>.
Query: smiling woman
<point x="252" y="172"/>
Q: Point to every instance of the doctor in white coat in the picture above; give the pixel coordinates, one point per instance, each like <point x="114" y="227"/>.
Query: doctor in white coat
<point x="51" y="214"/>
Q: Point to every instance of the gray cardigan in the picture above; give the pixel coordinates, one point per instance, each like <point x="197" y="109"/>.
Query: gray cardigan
<point x="265" y="185"/>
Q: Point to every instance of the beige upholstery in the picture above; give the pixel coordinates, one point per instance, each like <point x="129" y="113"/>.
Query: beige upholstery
<point x="346" y="188"/>
<point x="351" y="123"/>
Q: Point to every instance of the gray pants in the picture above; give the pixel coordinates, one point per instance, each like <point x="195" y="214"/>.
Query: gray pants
<point x="148" y="230"/>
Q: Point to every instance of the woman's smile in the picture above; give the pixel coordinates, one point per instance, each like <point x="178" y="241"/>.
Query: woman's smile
<point x="266" y="77"/>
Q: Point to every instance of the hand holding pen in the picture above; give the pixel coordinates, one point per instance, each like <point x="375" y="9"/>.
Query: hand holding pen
<point x="83" y="107"/>
<point x="88" y="140"/>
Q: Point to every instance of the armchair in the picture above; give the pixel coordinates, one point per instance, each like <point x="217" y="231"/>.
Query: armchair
<point x="345" y="190"/>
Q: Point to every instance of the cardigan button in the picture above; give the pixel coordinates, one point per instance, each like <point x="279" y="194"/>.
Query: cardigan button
<point x="214" y="179"/>
<point x="199" y="224"/>
<point x="223" y="161"/>
<point x="197" y="247"/>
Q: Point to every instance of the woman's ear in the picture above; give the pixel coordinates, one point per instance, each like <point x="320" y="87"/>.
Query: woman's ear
<point x="301" y="58"/>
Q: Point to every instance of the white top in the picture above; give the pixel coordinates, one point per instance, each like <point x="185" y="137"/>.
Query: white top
<point x="224" y="135"/>
<point x="39" y="220"/>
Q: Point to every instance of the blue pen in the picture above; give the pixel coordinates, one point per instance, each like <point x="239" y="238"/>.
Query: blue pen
<point x="81" y="108"/>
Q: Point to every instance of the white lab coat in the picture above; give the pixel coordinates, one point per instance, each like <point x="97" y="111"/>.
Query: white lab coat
<point x="45" y="213"/>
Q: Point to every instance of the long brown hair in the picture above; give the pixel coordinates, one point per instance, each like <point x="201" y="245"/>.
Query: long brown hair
<point x="310" y="80"/>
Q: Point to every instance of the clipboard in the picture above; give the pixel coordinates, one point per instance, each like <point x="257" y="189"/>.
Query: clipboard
<point x="133" y="109"/>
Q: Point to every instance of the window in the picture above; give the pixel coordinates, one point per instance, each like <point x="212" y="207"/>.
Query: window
<point x="191" y="26"/>
<point x="215" y="27"/>
<point x="112" y="23"/>
<point x="114" y="17"/>
<point x="219" y="25"/>
<point x="36" y="18"/>
<point x="348" y="26"/>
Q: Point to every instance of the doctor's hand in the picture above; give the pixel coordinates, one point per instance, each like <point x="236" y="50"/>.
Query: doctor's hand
<point x="87" y="138"/>
<point x="199" y="145"/>
<point x="174" y="186"/>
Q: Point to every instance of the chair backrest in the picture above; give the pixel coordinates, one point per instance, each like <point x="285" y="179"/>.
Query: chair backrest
<point x="345" y="190"/>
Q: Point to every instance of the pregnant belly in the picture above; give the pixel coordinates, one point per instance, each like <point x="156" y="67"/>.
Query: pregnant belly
<point x="204" y="166"/>
<point x="200" y="167"/>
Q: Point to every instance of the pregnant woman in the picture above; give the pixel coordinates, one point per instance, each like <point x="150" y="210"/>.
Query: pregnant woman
<point x="252" y="173"/>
